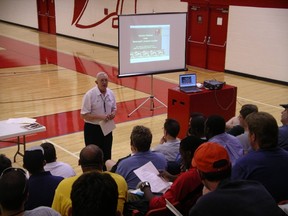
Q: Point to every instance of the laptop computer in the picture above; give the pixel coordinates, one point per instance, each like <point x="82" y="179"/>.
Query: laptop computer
<point x="188" y="83"/>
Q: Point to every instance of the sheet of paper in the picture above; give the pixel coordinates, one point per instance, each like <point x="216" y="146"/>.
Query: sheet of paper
<point x="23" y="120"/>
<point x="107" y="126"/>
<point x="148" y="172"/>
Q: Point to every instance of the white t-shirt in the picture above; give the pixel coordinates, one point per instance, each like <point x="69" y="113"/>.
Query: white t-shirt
<point x="60" y="169"/>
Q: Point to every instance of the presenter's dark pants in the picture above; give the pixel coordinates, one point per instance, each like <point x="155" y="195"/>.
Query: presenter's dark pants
<point x="94" y="135"/>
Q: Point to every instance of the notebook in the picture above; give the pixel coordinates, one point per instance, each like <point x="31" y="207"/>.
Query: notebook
<point x="188" y="83"/>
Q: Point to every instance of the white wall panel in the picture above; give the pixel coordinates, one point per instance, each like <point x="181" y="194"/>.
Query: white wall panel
<point x="257" y="42"/>
<point x="22" y="12"/>
<point x="94" y="12"/>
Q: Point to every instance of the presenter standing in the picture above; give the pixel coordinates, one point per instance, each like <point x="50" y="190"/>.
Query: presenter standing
<point x="98" y="105"/>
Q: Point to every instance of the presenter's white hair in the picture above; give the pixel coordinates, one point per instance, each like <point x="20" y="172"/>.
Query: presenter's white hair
<point x="101" y="74"/>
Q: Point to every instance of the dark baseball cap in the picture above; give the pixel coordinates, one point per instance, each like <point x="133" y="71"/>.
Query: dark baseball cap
<point x="33" y="159"/>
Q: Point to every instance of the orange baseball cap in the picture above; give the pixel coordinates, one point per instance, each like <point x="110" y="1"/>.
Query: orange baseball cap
<point x="211" y="157"/>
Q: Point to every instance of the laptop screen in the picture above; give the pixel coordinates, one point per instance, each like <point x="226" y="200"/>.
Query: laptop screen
<point x="187" y="80"/>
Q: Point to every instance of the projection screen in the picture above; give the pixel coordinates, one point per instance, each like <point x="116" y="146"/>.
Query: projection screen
<point x="151" y="43"/>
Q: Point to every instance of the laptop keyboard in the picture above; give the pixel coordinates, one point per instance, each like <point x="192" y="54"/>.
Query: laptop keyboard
<point x="191" y="89"/>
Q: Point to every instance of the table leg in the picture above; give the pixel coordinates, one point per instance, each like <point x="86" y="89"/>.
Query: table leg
<point x="18" y="147"/>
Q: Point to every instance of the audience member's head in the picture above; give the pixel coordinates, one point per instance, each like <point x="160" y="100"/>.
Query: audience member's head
<point x="214" y="125"/>
<point x="13" y="190"/>
<point x="49" y="152"/>
<point x="94" y="193"/>
<point x="188" y="146"/>
<point x="91" y="158"/>
<point x="284" y="114"/>
<point x="172" y="127"/>
<point x="5" y="162"/>
<point x="141" y="138"/>
<point x="33" y="160"/>
<point x="212" y="162"/>
<point x="196" y="124"/>
<point x="263" y="130"/>
<point x="246" y="109"/>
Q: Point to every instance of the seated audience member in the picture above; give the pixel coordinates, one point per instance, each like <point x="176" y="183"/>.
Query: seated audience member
<point x="111" y="165"/>
<point x="172" y="126"/>
<point x="14" y="192"/>
<point x="228" y="197"/>
<point x="57" y="168"/>
<point x="5" y="162"/>
<point x="267" y="163"/>
<point x="140" y="142"/>
<point x="41" y="183"/>
<point x="215" y="132"/>
<point x="196" y="125"/>
<point x="283" y="130"/>
<point x="91" y="159"/>
<point x="169" y="145"/>
<point x="187" y="187"/>
<point x="232" y="122"/>
<point x="243" y="138"/>
<point x="245" y="110"/>
<point x="235" y="130"/>
<point x="94" y="193"/>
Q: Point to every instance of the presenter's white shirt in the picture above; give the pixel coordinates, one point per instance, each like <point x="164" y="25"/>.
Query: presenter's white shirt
<point x="94" y="102"/>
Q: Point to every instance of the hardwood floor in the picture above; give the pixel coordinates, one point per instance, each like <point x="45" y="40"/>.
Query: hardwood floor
<point x="45" y="77"/>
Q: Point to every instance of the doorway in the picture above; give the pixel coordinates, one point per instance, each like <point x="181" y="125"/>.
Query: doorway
<point x="46" y="16"/>
<point x="207" y="34"/>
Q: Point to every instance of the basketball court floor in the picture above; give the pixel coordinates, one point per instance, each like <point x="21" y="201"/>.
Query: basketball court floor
<point x="45" y="76"/>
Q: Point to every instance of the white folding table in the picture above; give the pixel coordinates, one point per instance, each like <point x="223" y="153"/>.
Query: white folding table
<point x="16" y="130"/>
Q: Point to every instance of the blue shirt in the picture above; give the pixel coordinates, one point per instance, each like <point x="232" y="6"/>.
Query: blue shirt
<point x="283" y="137"/>
<point x="270" y="167"/>
<point x="170" y="149"/>
<point x="128" y="165"/>
<point x="244" y="140"/>
<point x="231" y="144"/>
<point x="41" y="188"/>
<point x="237" y="198"/>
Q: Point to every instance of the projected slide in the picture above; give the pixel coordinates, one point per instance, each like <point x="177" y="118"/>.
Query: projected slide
<point x="149" y="43"/>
